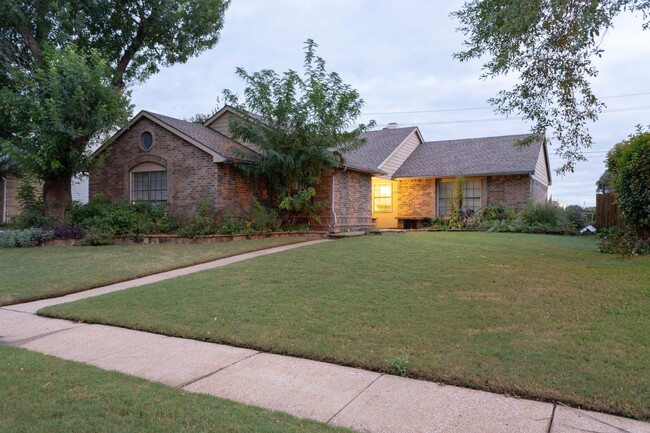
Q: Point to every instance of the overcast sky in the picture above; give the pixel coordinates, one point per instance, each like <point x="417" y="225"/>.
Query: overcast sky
<point x="398" y="55"/>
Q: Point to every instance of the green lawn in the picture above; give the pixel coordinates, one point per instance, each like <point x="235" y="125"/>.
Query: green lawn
<point x="42" y="394"/>
<point x="539" y="316"/>
<point x="27" y="274"/>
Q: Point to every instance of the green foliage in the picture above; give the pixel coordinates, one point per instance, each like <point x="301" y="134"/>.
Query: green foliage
<point x="98" y="236"/>
<point x="575" y="217"/>
<point x="456" y="220"/>
<point x="262" y="219"/>
<point x="209" y="220"/>
<point x="302" y="202"/>
<point x="546" y="214"/>
<point x="134" y="37"/>
<point x="550" y="45"/>
<point x="103" y="219"/>
<point x="399" y="365"/>
<point x="7" y="165"/>
<point x="494" y="213"/>
<point x="205" y="221"/>
<point x="30" y="237"/>
<point x="301" y="227"/>
<point x="629" y="163"/>
<point x="230" y="226"/>
<point x="543" y="218"/>
<point x="605" y="183"/>
<point x="437" y="224"/>
<point x="54" y="112"/>
<point x="301" y="123"/>
<point x="64" y="67"/>
<point x="616" y="241"/>
<point x="31" y="207"/>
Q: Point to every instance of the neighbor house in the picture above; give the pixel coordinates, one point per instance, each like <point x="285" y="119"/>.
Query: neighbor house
<point x="9" y="199"/>
<point x="394" y="180"/>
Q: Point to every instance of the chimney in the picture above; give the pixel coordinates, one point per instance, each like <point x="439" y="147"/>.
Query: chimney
<point x="392" y="125"/>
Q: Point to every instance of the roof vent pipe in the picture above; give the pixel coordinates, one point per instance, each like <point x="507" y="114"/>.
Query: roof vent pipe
<point x="392" y="125"/>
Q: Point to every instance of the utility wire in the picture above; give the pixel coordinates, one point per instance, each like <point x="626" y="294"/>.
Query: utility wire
<point x="445" y="110"/>
<point x="505" y="119"/>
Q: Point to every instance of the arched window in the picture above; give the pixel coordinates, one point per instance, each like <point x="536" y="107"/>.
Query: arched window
<point x="149" y="183"/>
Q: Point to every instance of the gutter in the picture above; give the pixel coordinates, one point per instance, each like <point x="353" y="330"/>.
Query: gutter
<point x="4" y="200"/>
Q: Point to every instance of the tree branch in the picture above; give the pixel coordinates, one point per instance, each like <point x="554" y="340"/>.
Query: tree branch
<point x="134" y="47"/>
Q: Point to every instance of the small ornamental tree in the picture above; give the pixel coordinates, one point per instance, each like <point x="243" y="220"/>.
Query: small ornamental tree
<point x="456" y="205"/>
<point x="303" y="125"/>
<point x="629" y="163"/>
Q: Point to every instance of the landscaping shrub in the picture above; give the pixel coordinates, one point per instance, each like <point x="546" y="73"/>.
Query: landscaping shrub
<point x="575" y="217"/>
<point x="205" y="221"/>
<point x="231" y="226"/>
<point x="32" y="207"/>
<point x="25" y="238"/>
<point x="494" y="212"/>
<point x="303" y="227"/>
<point x="97" y="237"/>
<point x="541" y="214"/>
<point x="456" y="220"/>
<point x="615" y="240"/>
<point x="65" y="232"/>
<point x="629" y="164"/>
<point x="105" y="219"/>
<point x="262" y="219"/>
<point x="438" y="224"/>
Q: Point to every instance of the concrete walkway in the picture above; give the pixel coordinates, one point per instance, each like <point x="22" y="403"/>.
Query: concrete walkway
<point x="361" y="400"/>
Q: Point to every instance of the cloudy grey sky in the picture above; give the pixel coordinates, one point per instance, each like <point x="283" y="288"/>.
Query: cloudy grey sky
<point x="398" y="55"/>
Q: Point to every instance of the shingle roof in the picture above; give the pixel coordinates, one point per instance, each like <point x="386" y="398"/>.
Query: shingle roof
<point x="379" y="145"/>
<point x="473" y="156"/>
<point x="210" y="138"/>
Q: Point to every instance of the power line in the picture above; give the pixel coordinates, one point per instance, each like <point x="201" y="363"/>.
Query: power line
<point x="446" y="110"/>
<point x="505" y="119"/>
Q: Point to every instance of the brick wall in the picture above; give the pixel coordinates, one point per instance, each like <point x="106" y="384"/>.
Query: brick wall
<point x="235" y="189"/>
<point x="352" y="193"/>
<point x="416" y="198"/>
<point x="191" y="173"/>
<point x="509" y="191"/>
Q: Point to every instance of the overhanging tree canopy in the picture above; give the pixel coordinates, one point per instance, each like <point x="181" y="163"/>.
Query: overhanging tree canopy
<point x="82" y="54"/>
<point x="550" y="44"/>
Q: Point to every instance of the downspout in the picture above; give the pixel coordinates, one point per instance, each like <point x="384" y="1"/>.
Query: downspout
<point x="333" y="225"/>
<point x="532" y="187"/>
<point x="4" y="200"/>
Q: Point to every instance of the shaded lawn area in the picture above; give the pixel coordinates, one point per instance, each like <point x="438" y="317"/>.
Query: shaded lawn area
<point x="539" y="316"/>
<point x="27" y="274"/>
<point x="45" y="394"/>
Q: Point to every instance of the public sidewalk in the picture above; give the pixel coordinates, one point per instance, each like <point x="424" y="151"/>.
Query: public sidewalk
<point x="348" y="397"/>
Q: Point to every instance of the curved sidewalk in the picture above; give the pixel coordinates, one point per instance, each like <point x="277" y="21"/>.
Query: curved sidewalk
<point x="342" y="396"/>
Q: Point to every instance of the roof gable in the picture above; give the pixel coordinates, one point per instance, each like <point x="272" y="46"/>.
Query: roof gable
<point x="379" y="145"/>
<point x="473" y="157"/>
<point x="208" y="140"/>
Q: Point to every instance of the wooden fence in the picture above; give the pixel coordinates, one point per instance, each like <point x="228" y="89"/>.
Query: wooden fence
<point x="607" y="214"/>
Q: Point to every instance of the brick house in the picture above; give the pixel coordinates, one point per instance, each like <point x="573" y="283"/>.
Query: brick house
<point x="396" y="178"/>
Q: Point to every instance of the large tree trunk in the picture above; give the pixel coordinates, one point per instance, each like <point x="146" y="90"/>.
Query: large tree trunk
<point x="58" y="198"/>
